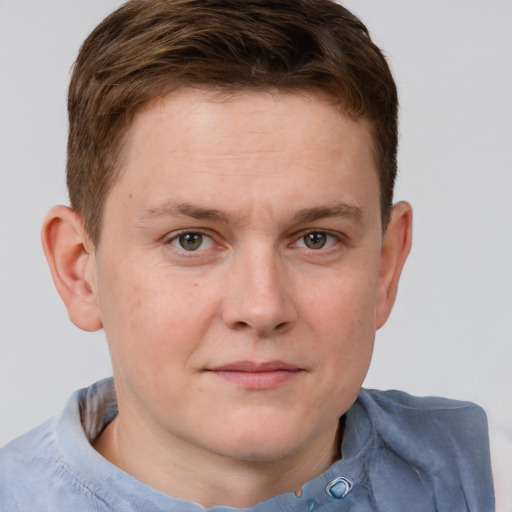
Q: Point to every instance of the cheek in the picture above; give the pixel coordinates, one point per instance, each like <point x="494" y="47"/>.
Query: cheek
<point x="345" y="306"/>
<point x="148" y="318"/>
<point x="159" y="326"/>
<point x="344" y="319"/>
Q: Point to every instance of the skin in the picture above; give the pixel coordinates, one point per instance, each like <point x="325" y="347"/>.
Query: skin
<point x="242" y="231"/>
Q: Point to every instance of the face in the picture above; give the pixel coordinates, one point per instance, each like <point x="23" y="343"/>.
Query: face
<point x="238" y="270"/>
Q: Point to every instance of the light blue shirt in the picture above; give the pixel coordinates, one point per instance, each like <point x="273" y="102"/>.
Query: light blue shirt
<point x="400" y="454"/>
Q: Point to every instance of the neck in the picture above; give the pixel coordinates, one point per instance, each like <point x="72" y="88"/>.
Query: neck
<point x="187" y="472"/>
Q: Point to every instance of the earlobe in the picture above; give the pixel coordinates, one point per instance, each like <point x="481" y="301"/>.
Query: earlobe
<point x="395" y="249"/>
<point x="71" y="258"/>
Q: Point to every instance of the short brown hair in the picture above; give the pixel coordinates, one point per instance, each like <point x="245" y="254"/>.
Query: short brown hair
<point x="149" y="48"/>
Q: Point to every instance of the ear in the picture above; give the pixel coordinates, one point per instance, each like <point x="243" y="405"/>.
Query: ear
<point x="71" y="258"/>
<point x="395" y="249"/>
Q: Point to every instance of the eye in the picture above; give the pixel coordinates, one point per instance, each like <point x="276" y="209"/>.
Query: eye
<point x="191" y="241"/>
<point x="316" y="240"/>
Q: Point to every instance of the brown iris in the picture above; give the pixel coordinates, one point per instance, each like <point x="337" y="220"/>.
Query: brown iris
<point x="191" y="241"/>
<point x="315" y="240"/>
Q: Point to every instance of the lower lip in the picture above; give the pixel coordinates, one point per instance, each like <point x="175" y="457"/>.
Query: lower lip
<point x="257" y="380"/>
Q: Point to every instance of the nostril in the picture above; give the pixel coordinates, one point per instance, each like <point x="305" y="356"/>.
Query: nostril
<point x="240" y="326"/>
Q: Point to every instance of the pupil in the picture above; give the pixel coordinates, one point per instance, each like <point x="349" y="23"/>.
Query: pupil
<point x="191" y="241"/>
<point x="315" y="240"/>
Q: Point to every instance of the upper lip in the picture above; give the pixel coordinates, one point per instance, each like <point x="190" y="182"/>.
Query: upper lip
<point x="254" y="367"/>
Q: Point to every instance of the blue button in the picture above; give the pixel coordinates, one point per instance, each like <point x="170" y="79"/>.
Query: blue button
<point x="339" y="488"/>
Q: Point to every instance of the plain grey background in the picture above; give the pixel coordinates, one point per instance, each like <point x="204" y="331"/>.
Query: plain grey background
<point x="450" y="331"/>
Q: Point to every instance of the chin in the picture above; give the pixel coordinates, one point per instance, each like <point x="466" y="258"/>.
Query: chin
<point x="261" y="452"/>
<point x="262" y="442"/>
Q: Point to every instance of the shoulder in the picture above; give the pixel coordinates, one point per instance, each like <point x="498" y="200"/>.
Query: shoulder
<point x="442" y="420"/>
<point x="438" y="444"/>
<point x="28" y="448"/>
<point x="27" y="464"/>
<point x="41" y="470"/>
<point x="403" y="407"/>
<point x="444" y="425"/>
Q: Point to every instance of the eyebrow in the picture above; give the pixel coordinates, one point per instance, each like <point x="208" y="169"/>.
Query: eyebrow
<point x="303" y="216"/>
<point x="186" y="210"/>
<point x="337" y="210"/>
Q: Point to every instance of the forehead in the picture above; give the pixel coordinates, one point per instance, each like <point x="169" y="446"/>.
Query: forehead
<point x="287" y="147"/>
<point x="271" y="109"/>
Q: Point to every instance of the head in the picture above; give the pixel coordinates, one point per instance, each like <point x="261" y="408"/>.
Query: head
<point x="231" y="166"/>
<point x="148" y="49"/>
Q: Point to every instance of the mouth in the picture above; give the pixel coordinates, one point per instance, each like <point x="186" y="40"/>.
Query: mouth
<point x="251" y="375"/>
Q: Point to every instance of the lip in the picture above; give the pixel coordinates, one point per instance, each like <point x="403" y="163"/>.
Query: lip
<point x="254" y="367"/>
<point x="253" y="375"/>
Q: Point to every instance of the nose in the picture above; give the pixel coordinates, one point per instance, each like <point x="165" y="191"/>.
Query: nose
<point x="259" y="295"/>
